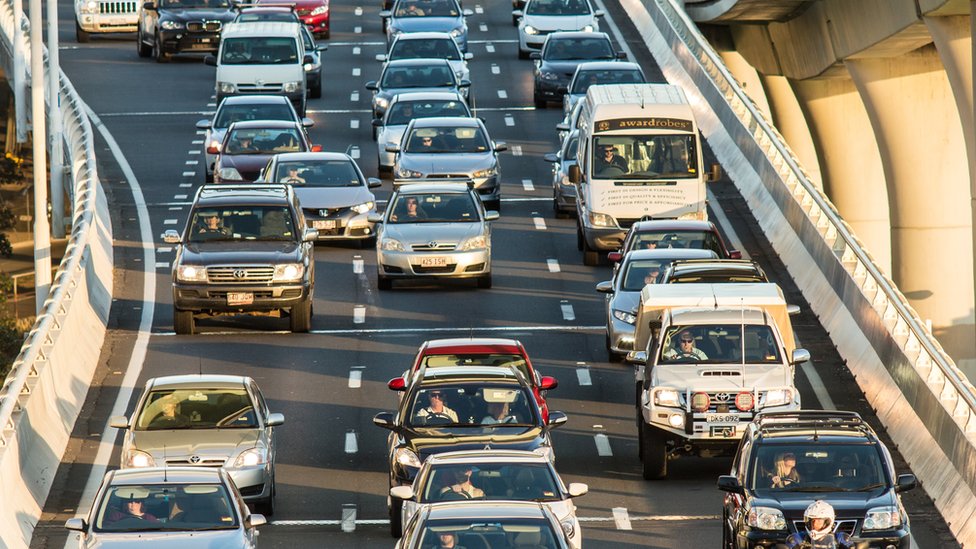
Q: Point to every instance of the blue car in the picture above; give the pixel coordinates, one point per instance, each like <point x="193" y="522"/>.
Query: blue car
<point x="427" y="16"/>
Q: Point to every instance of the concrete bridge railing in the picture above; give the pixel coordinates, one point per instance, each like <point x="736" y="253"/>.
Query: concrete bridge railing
<point x="925" y="402"/>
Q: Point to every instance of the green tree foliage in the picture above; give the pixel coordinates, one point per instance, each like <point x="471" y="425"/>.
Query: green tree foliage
<point x="10" y="338"/>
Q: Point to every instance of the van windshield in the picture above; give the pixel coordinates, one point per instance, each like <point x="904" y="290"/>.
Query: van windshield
<point x="720" y="344"/>
<point x="645" y="157"/>
<point x="259" y="51"/>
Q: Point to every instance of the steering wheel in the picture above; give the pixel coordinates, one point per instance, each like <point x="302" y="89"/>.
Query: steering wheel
<point x="437" y="418"/>
<point x="612" y="171"/>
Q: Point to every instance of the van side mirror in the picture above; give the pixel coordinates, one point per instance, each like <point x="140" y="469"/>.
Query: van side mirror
<point x="210" y="59"/>
<point x="735" y="254"/>
<point x="800" y="356"/>
<point x="792" y="309"/>
<point x="715" y="173"/>
<point x="574" y="174"/>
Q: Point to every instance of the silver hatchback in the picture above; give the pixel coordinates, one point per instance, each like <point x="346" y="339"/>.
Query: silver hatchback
<point x="433" y="231"/>
<point x="207" y="420"/>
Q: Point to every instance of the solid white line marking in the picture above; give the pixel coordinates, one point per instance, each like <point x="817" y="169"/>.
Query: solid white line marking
<point x="356" y="50"/>
<point x="359" y="314"/>
<point x="354" y="123"/>
<point x="583" y="375"/>
<point x="352" y="446"/>
<point x="394" y="331"/>
<point x="540" y="223"/>
<point x="509" y="121"/>
<point x="516" y="150"/>
<point x="502" y="94"/>
<point x="189" y="174"/>
<point x="568" y="313"/>
<point x="179" y="197"/>
<point x="357" y="264"/>
<point x="169" y="222"/>
<point x="489" y="48"/>
<point x="192" y="162"/>
<point x="495" y="69"/>
<point x="358" y="11"/>
<point x="348" y="523"/>
<point x="357" y="30"/>
<point x="354" y="152"/>
<point x="357" y="71"/>
<point x="621" y="518"/>
<point x="603" y="447"/>
<point x="553" y="267"/>
<point x="483" y="27"/>
<point x="175" y="208"/>
<point x="354" y="96"/>
<point x="527" y="185"/>
<point x="356" y="377"/>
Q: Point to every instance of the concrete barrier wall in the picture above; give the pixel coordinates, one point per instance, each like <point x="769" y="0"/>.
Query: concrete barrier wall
<point x="47" y="386"/>
<point x="926" y="404"/>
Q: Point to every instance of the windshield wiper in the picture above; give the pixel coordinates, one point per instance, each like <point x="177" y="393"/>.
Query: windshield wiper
<point x="811" y="489"/>
<point x="869" y="487"/>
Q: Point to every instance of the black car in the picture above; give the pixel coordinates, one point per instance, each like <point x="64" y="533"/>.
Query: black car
<point x="453" y="408"/>
<point x="168" y="27"/>
<point x="788" y="460"/>
<point x="313" y="70"/>
<point x="245" y="249"/>
<point x="712" y="271"/>
<point x="561" y="53"/>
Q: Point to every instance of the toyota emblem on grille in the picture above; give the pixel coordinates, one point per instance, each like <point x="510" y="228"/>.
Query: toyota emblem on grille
<point x="722" y="397"/>
<point x="260" y="83"/>
<point x="240" y="273"/>
<point x="432" y="244"/>
<point x="194" y="459"/>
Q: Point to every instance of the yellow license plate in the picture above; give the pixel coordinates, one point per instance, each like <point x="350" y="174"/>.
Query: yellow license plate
<point x="240" y="298"/>
<point x="433" y="262"/>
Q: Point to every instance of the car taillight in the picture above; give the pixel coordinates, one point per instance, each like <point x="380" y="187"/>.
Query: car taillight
<point x="699" y="402"/>
<point x="744" y="401"/>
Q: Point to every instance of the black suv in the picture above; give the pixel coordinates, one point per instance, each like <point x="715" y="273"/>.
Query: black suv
<point x="177" y="26"/>
<point x="468" y="398"/>
<point x="245" y="248"/>
<point x="838" y="458"/>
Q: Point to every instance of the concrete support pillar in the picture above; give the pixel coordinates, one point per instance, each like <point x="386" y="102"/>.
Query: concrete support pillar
<point x="792" y="124"/>
<point x="850" y="160"/>
<point x="909" y="102"/>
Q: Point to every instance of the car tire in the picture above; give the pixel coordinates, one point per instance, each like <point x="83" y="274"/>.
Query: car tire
<point x="81" y="35"/>
<point x="579" y="237"/>
<point x="267" y="507"/>
<point x="591" y="257"/>
<point x="396" y="517"/>
<point x="523" y="54"/>
<point x="141" y="48"/>
<point x="316" y="92"/>
<point x="494" y="205"/>
<point x="654" y="454"/>
<point x="301" y="317"/>
<point x="540" y="103"/>
<point x="384" y="283"/>
<point x="726" y="539"/>
<point x="183" y="322"/>
<point x="207" y="176"/>
<point x="484" y="282"/>
<point x="157" y="50"/>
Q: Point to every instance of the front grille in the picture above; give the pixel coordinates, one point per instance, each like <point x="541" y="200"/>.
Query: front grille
<point x="268" y="87"/>
<point x="116" y="7"/>
<point x="257" y="295"/>
<point x="203" y="462"/>
<point x="434" y="247"/>
<point x="318" y="212"/>
<point x="433" y="270"/>
<point x="720" y="402"/>
<point x="846" y="526"/>
<point x="240" y="275"/>
<point x="626" y="223"/>
<point x="448" y="176"/>
<point x="204" y="26"/>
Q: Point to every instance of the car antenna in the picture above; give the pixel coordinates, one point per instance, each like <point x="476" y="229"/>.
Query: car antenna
<point x="165" y="474"/>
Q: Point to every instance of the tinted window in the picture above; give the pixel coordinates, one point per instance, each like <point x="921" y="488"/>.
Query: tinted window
<point x="639" y="273"/>
<point x="470" y="405"/>
<point x="181" y="4"/>
<point x="426" y="8"/>
<point x="817" y="468"/>
<point x="467" y="139"/>
<point x="498" y="481"/>
<point x="328" y="173"/>
<point x="557" y="7"/>
<point x="264" y="141"/>
<point x="722" y="343"/>
<point x="497" y="534"/>
<point x="433" y="76"/>
<point x="418" y="49"/>
<point x="403" y="112"/>
<point x="578" y="48"/>
<point x="585" y="79"/>
<point x="434" y="208"/>
<point x="503" y="360"/>
<point x="695" y="240"/>
<point x="259" y="51"/>
<point x="645" y="157"/>
<point x="248" y="223"/>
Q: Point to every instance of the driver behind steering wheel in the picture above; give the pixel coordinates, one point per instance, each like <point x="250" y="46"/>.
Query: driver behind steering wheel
<point x="608" y="158"/>
<point x="683" y="348"/>
<point x="435" y="408"/>
<point x="785" y="473"/>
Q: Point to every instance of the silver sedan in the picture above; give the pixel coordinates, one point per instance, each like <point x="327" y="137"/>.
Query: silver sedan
<point x="433" y="231"/>
<point x="403" y="108"/>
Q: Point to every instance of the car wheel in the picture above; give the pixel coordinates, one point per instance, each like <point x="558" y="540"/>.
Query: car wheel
<point x="654" y="454"/>
<point x="396" y="517"/>
<point x="591" y="257"/>
<point x="301" y="317"/>
<point x="183" y="323"/>
<point x="484" y="282"/>
<point x="726" y="538"/>
<point x="523" y="54"/>
<point x="384" y="283"/>
<point x="82" y="35"/>
<point x="157" y="50"/>
<point x="141" y="48"/>
<point x="540" y="103"/>
<point x="266" y="507"/>
<point x="315" y="92"/>
<point x="579" y="237"/>
<point x="207" y="176"/>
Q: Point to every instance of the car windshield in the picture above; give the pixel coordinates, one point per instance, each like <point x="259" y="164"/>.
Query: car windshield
<point x="165" y="507"/>
<point x="447" y="140"/>
<point x="566" y="49"/>
<point x="497" y="481"/>
<point x="224" y="408"/>
<point x="641" y="272"/>
<point x="481" y="405"/>
<point x="430" y="76"/>
<point x="402" y="112"/>
<point x="495" y="533"/>
<point x="645" y="157"/>
<point x="434" y="208"/>
<point x="557" y="7"/>
<point x="720" y="344"/>
<point x="318" y="173"/>
<point x="264" y="141"/>
<point x="426" y="8"/>
<point x="437" y="48"/>
<point x="694" y="240"/>
<point x="493" y="359"/>
<point x="247" y="223"/>
<point x="259" y="51"/>
<point x="228" y="114"/>
<point x="184" y="4"/>
<point x="821" y="467"/>
<point x="585" y="79"/>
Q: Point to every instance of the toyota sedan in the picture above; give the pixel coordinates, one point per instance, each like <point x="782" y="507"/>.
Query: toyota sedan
<point x="405" y="107"/>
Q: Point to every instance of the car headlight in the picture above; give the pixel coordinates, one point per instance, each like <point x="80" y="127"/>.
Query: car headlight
<point x="191" y="273"/>
<point x="546" y="451"/>
<point x="137" y="458"/>
<point x="568" y="527"/>
<point x="598" y="219"/>
<point x="666" y="397"/>
<point x="171" y="25"/>
<point x="405" y="456"/>
<point x="548" y="75"/>
<point x="89" y="7"/>
<point x="529" y="29"/>
<point x="625" y="316"/>
<point x="291" y="87"/>
<point x="289" y="272"/>
<point x="226" y="87"/>
<point x="486" y="173"/>
<point x="320" y="10"/>
<point x="391" y="245"/>
<point x="778" y="397"/>
<point x="458" y="31"/>
<point x="252" y="457"/>
<point x="404" y="173"/>
<point x="766" y="518"/>
<point x="474" y="243"/>
<point x="230" y="174"/>
<point x="882" y="518"/>
<point x="363" y="208"/>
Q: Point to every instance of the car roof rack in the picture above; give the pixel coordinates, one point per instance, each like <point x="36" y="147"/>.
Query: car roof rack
<point x="827" y="420"/>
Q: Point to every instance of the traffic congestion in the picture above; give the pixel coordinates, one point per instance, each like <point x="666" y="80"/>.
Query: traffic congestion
<point x="473" y="291"/>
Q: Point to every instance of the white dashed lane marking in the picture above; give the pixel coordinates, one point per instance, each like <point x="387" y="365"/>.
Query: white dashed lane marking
<point x="357" y="30"/>
<point x="603" y="445"/>
<point x="189" y="174"/>
<point x="356" y="377"/>
<point x="359" y="314"/>
<point x="354" y="124"/>
<point x="489" y="48"/>
<point x="509" y="120"/>
<point x="348" y="523"/>
<point x="357" y="71"/>
<point x="179" y="197"/>
<point x="192" y="162"/>
<point x="495" y="69"/>
<point x="169" y="222"/>
<point x="483" y="27"/>
<point x="354" y="96"/>
<point x="358" y="11"/>
<point x="539" y="223"/>
<point x="356" y="51"/>
<point x="621" y="518"/>
<point x="164" y="249"/>
<point x="583" y="374"/>
<point x="352" y="445"/>
<point x="527" y="184"/>
<point x="478" y="9"/>
<point x="502" y="94"/>
<point x="354" y="152"/>
<point x="357" y="264"/>
<point x="186" y="185"/>
<point x="197" y="142"/>
<point x="567" y="309"/>
<point x="553" y="265"/>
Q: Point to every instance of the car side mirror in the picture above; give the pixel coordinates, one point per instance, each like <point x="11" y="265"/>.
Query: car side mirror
<point x="149" y="6"/>
<point x="621" y="55"/>
<point x="397" y="384"/>
<point x="377" y="122"/>
<point x="598" y="13"/>
<point x="384" y="420"/>
<point x="557" y="419"/>
<point x="637" y="357"/>
<point x="615" y="257"/>
<point x="381" y="57"/>
<point x="375" y="217"/>
<point x="501" y="146"/>
<point x="517" y="13"/>
<point x="464" y="83"/>
<point x="562" y="127"/>
<point x="371" y="85"/>
<point x="577" y="489"/>
<point x="275" y="419"/>
<point x="491" y="215"/>
<point x="321" y="47"/>
<point x="800" y="356"/>
<point x="213" y="149"/>
<point x="393" y="148"/>
<point x="171" y="237"/>
<point x="548" y="383"/>
<point x="905" y="483"/>
<point x="76" y="524"/>
<point x="402" y="492"/>
<point x="729" y="483"/>
<point x="203" y="124"/>
<point x="311" y="235"/>
<point x="735" y="254"/>
<point x="551" y="157"/>
<point x="210" y="59"/>
<point x="307" y="122"/>
<point x="385" y="14"/>
<point x="792" y="309"/>
<point x="254" y="520"/>
<point x="467" y="12"/>
<point x="468" y="56"/>
<point x="535" y="55"/>
<point x="574" y="174"/>
<point x="605" y="287"/>
<point x="373" y="182"/>
<point x="118" y="422"/>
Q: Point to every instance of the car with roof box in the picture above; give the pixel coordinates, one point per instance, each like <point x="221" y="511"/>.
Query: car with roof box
<point x="471" y="524"/>
<point x="788" y="460"/>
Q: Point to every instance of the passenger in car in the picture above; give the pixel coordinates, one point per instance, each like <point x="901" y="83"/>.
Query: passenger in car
<point x="785" y="473"/>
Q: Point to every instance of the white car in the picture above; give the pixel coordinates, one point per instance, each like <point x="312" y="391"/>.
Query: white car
<point x="502" y="475"/>
<point x="429" y="45"/>
<point x="539" y="18"/>
<point x="403" y="108"/>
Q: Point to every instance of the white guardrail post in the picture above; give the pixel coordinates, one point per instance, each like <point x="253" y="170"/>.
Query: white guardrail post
<point x="47" y="385"/>
<point x="926" y="404"/>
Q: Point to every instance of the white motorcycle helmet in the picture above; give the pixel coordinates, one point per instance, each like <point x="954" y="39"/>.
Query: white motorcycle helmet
<point x="819" y="509"/>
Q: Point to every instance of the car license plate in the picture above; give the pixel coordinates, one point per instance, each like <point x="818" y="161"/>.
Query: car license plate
<point x="206" y="40"/>
<point x="433" y="262"/>
<point x="240" y="298"/>
<point x="721" y="418"/>
<point x="324" y="224"/>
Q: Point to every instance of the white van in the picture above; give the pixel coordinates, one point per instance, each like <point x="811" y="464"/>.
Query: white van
<point x="639" y="157"/>
<point x="262" y="58"/>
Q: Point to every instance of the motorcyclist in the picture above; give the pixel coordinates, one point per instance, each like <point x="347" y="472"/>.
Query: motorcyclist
<point x="818" y="521"/>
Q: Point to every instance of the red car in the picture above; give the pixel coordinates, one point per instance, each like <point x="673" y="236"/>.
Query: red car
<point x="674" y="233"/>
<point x="314" y="13"/>
<point x="480" y="352"/>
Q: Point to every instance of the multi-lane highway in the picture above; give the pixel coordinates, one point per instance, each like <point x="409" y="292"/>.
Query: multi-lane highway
<point x="331" y="470"/>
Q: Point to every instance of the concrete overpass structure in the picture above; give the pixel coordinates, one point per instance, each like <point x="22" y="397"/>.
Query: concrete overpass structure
<point x="875" y="97"/>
